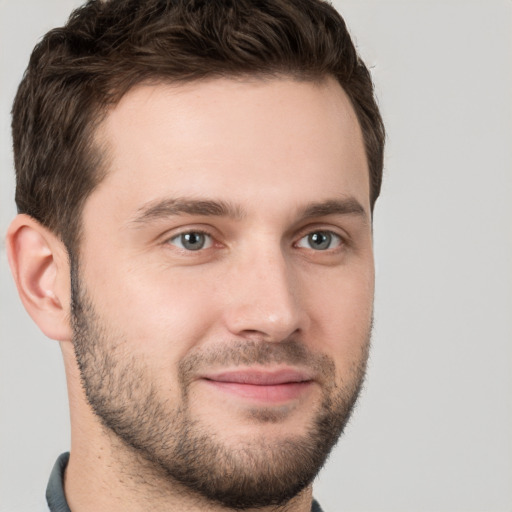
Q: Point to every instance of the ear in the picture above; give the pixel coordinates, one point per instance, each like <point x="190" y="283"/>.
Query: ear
<point x="40" y="267"/>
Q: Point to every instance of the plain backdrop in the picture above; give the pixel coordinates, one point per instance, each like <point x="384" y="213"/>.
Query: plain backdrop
<point x="433" y="428"/>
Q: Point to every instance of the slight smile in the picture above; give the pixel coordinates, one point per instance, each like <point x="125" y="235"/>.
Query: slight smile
<point x="262" y="385"/>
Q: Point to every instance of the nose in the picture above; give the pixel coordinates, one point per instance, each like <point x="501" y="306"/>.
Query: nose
<point x="263" y="298"/>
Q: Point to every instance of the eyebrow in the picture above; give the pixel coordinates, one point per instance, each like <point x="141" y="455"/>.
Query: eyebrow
<point x="344" y="206"/>
<point x="168" y="207"/>
<point x="187" y="206"/>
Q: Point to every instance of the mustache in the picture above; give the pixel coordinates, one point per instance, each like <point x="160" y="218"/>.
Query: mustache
<point x="250" y="353"/>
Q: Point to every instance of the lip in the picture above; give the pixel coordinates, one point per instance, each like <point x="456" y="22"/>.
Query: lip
<point x="268" y="386"/>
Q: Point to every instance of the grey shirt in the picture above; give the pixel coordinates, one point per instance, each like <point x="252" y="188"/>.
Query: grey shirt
<point x="55" y="491"/>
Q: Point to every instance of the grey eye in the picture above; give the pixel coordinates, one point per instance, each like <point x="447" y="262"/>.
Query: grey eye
<point x="192" y="241"/>
<point x="320" y="241"/>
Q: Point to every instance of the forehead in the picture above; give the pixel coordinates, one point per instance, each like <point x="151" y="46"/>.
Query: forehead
<point x="252" y="140"/>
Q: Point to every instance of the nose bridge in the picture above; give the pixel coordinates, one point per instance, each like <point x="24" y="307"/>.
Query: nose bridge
<point x="264" y="298"/>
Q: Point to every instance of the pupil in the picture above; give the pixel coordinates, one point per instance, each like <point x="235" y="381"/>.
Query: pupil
<point x="193" y="241"/>
<point x="320" y="240"/>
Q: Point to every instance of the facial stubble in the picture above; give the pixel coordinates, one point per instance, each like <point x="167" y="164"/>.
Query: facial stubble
<point x="252" y="473"/>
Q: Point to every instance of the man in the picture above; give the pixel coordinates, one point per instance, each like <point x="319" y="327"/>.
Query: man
<point x="195" y="182"/>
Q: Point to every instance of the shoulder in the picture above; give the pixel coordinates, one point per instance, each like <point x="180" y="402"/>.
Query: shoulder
<point x="315" y="507"/>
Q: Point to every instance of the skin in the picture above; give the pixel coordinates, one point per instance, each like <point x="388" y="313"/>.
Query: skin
<point x="269" y="148"/>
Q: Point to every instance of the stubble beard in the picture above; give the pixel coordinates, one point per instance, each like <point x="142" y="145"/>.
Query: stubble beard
<point x="254" y="473"/>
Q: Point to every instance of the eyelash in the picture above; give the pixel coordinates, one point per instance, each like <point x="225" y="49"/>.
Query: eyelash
<point x="330" y="235"/>
<point x="341" y="240"/>
<point x="194" y="232"/>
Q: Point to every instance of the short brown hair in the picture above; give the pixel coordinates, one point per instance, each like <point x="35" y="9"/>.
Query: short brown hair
<point x="80" y="70"/>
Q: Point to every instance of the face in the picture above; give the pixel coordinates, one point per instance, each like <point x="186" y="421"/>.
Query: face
<point x="222" y="301"/>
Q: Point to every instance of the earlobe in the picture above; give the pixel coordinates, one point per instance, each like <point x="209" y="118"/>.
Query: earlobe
<point x="39" y="264"/>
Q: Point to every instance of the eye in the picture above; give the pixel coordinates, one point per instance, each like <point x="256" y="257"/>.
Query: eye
<point x="320" y="241"/>
<point x="192" y="241"/>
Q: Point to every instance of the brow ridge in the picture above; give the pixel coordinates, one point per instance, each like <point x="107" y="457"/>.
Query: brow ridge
<point x="178" y="206"/>
<point x="343" y="206"/>
<point x="167" y="207"/>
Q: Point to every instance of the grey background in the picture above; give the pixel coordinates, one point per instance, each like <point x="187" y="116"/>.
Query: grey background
<point x="433" y="429"/>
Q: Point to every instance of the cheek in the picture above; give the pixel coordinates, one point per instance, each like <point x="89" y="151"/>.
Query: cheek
<point x="158" y="313"/>
<point x="341" y="315"/>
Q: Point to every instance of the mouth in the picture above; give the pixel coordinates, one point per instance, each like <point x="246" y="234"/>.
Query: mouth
<point x="267" y="386"/>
